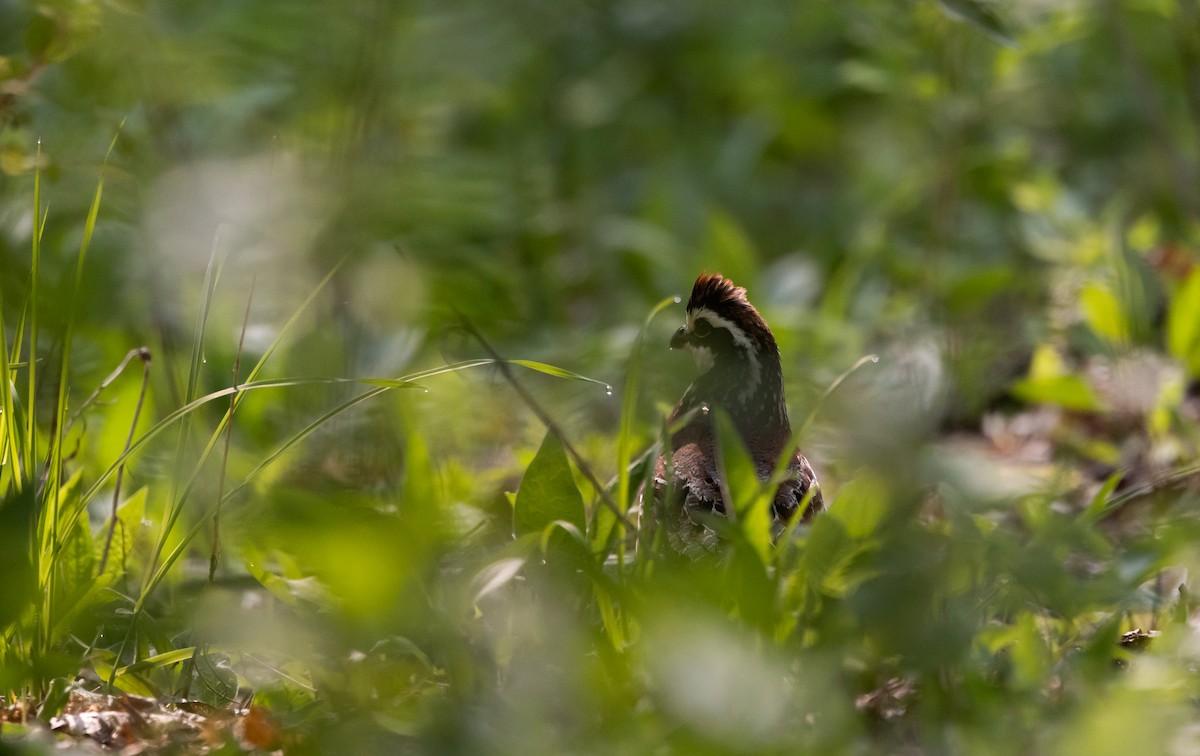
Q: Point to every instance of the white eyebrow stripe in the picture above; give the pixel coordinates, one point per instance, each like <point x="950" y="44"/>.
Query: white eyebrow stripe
<point x="739" y="337"/>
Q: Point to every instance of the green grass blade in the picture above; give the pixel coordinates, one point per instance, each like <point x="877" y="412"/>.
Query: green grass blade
<point x="557" y="372"/>
<point x="31" y="374"/>
<point x="11" y="462"/>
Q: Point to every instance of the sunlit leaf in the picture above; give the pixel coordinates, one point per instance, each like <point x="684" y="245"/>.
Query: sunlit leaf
<point x="1183" y="324"/>
<point x="130" y="537"/>
<point x="1028" y="651"/>
<point x="1104" y="313"/>
<point x="1050" y="382"/>
<point x="295" y="592"/>
<point x="1067" y="391"/>
<point x="165" y="659"/>
<point x="127" y="681"/>
<point x="557" y="372"/>
<point x="75" y="563"/>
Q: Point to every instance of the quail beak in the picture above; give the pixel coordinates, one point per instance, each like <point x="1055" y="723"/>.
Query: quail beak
<point x="680" y="339"/>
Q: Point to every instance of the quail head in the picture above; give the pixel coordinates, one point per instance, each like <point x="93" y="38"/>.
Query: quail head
<point x="740" y="373"/>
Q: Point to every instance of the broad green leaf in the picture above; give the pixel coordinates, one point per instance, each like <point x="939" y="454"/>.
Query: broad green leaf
<point x="1050" y="382"/>
<point x="1046" y="363"/>
<point x="547" y="491"/>
<point x="130" y="535"/>
<point x="1067" y="391"/>
<point x="216" y="682"/>
<point x="75" y="563"/>
<point x="295" y="592"/>
<point x="1104" y="313"/>
<point x="1183" y="324"/>
<point x="129" y="682"/>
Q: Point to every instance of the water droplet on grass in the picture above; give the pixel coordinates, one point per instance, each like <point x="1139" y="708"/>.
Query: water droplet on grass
<point x="608" y="390"/>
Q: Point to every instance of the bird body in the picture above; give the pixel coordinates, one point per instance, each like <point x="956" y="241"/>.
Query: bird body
<point x="740" y="373"/>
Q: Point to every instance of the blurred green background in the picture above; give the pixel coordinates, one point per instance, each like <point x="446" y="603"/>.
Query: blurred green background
<point x="999" y="199"/>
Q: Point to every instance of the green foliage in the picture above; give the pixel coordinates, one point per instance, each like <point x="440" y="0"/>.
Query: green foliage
<point x="993" y="202"/>
<point x="547" y="493"/>
<point x="1183" y="324"/>
<point x="16" y="565"/>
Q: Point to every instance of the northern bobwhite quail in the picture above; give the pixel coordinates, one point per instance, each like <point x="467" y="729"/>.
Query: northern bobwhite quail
<point x="738" y="361"/>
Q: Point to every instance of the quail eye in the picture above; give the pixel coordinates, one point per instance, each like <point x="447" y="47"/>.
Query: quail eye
<point x="702" y="328"/>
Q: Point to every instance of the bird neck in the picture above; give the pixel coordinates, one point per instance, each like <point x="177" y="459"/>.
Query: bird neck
<point x="752" y="394"/>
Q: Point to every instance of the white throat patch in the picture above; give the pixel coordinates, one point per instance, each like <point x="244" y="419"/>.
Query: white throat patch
<point x="703" y="356"/>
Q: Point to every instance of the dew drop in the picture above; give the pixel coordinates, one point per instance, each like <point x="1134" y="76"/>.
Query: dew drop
<point x="607" y="390"/>
<point x="678" y="300"/>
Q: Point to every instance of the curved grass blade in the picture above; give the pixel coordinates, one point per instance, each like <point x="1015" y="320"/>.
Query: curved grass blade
<point x="557" y="372"/>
